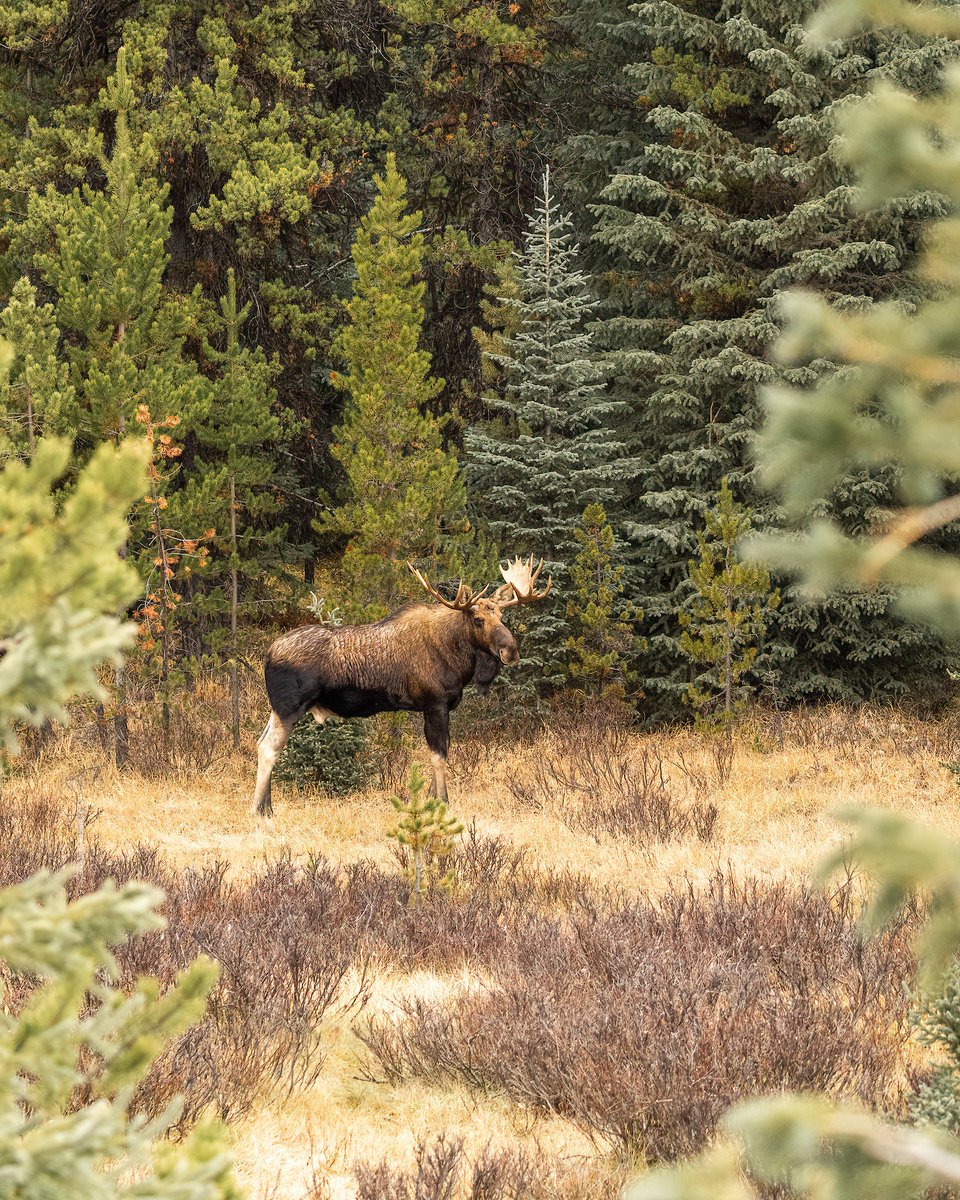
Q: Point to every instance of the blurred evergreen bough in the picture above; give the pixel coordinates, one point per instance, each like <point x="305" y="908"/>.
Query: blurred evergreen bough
<point x="897" y="404"/>
<point x="71" y="1059"/>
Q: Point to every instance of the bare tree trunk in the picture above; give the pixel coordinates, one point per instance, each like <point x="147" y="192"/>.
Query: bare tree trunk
<point x="165" y="688"/>
<point x="234" y="596"/>
<point x="31" y="433"/>
<point x="121" y="724"/>
<point x="165" y="609"/>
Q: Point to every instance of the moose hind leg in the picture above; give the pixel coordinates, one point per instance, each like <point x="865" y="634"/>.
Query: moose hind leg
<point x="436" y="728"/>
<point x="272" y="741"/>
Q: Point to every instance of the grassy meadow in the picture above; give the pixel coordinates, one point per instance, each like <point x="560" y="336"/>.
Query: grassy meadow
<point x="630" y="945"/>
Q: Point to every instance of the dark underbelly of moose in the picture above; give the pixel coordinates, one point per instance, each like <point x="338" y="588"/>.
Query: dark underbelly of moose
<point x="360" y="702"/>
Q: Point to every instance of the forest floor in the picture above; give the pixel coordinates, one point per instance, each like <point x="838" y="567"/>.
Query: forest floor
<point x="625" y="819"/>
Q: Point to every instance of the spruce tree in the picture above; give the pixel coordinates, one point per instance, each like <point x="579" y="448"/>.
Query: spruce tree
<point x="403" y="496"/>
<point x="737" y="194"/>
<point x="547" y="450"/>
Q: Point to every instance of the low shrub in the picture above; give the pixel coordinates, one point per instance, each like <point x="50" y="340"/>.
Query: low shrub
<point x="594" y="778"/>
<point x="638" y="1019"/>
<point x="443" y="1171"/>
<point x="334" y="756"/>
<point x="281" y="940"/>
<point x="642" y="1021"/>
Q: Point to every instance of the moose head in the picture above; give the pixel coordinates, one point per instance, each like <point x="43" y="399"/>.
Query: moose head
<point x="484" y="613"/>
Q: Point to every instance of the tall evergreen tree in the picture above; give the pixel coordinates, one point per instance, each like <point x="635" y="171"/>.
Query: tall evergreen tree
<point x="737" y="194"/>
<point x="548" y="449"/>
<point x="403" y="496"/>
<point x="106" y="263"/>
<point x="231" y="489"/>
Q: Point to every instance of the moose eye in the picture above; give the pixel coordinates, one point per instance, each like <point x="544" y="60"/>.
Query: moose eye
<point x="478" y="620"/>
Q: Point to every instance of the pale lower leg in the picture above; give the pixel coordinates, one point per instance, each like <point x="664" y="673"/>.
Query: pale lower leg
<point x="272" y="741"/>
<point x="438" y="766"/>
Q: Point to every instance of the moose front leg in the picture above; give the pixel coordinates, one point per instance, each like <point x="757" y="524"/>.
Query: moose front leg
<point x="436" y="729"/>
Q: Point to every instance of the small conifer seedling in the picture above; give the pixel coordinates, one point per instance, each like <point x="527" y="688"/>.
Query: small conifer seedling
<point x="425" y="831"/>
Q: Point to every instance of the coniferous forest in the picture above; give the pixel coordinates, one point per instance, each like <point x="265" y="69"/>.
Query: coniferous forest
<point x="446" y="281"/>
<point x="322" y="324"/>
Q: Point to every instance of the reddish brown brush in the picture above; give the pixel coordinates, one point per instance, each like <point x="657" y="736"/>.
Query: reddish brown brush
<point x="442" y="1171"/>
<point x="642" y="1022"/>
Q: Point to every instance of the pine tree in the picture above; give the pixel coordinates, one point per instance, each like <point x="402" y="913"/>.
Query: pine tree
<point x="735" y="195"/>
<point x="425" y="831"/>
<point x="403" y="497"/>
<point x="231" y="489"/>
<point x="604" y="644"/>
<point x="75" y="1050"/>
<point x="725" y="620"/>
<point x="36" y="398"/>
<point x="106" y="267"/>
<point x="548" y="449"/>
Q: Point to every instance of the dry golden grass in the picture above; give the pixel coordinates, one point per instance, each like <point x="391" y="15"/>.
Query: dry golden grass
<point x="775" y="819"/>
<point x="775" y="809"/>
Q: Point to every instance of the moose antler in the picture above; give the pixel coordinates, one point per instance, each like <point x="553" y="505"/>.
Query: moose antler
<point x="465" y="598"/>
<point x="521" y="583"/>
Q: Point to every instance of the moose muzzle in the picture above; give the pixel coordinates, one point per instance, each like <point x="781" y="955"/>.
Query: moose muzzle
<point x="507" y="648"/>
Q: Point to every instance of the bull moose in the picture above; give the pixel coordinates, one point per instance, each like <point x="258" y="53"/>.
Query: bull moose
<point x="419" y="659"/>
